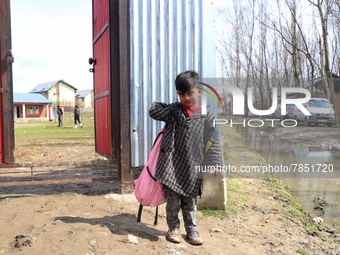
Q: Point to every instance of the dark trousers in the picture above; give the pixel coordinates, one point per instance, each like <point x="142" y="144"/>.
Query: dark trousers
<point x="175" y="202"/>
<point x="60" y="121"/>
<point x="76" y="118"/>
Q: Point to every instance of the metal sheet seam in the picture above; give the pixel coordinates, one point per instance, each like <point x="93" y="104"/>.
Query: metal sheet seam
<point x="167" y="37"/>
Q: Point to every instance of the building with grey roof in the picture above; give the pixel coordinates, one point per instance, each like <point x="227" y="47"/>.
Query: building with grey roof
<point x="58" y="92"/>
<point x="84" y="98"/>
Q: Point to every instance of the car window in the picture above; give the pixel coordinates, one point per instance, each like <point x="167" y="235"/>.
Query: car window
<point x="319" y="104"/>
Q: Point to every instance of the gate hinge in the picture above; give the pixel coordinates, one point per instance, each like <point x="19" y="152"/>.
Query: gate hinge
<point x="10" y="58"/>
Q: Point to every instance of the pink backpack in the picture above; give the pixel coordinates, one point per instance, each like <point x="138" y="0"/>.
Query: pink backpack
<point x="149" y="191"/>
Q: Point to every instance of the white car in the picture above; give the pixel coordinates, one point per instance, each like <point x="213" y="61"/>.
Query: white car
<point x="321" y="112"/>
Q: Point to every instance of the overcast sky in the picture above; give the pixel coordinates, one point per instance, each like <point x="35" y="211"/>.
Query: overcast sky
<point x="51" y="40"/>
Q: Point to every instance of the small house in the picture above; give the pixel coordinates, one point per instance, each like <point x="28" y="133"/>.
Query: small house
<point x="84" y="98"/>
<point x="58" y="92"/>
<point x="35" y="106"/>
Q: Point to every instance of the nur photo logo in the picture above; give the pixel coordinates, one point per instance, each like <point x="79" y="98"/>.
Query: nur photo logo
<point x="239" y="106"/>
<point x="211" y="92"/>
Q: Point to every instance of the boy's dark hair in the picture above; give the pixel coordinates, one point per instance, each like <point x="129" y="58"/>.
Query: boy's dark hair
<point x="186" y="81"/>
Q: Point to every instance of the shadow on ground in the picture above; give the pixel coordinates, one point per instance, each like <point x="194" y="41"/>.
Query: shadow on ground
<point x="119" y="225"/>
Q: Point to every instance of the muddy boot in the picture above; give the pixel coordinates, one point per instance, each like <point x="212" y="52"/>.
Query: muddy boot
<point x="194" y="238"/>
<point x="173" y="236"/>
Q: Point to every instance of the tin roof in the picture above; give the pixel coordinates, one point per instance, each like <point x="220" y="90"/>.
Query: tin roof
<point x="83" y="93"/>
<point x="44" y="87"/>
<point x="30" y="98"/>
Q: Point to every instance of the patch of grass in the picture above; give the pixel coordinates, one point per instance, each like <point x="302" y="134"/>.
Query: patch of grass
<point x="302" y="252"/>
<point x="214" y="213"/>
<point x="236" y="147"/>
<point x="49" y="130"/>
<point x="235" y="196"/>
<point x="313" y="229"/>
<point x="233" y="208"/>
<point x="237" y="154"/>
<point x="37" y="140"/>
<point x="294" y="209"/>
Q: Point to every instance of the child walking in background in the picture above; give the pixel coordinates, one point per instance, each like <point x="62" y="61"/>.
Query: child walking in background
<point x="183" y="148"/>
<point x="60" y="114"/>
<point x="76" y="112"/>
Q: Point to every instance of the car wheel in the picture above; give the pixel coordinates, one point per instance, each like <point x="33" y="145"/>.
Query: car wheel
<point x="306" y="122"/>
<point x="330" y="124"/>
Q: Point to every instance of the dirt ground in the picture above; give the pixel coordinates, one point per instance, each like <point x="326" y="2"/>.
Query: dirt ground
<point x="92" y="218"/>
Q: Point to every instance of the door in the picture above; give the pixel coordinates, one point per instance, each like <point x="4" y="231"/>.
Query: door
<point x="17" y="112"/>
<point x="101" y="77"/>
<point x="111" y="72"/>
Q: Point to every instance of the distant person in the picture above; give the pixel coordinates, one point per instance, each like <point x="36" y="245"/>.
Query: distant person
<point x="60" y="114"/>
<point x="76" y="112"/>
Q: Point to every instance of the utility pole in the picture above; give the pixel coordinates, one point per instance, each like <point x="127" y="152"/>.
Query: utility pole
<point x="6" y="85"/>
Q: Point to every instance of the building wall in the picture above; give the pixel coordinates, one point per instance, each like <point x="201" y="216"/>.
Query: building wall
<point x="61" y="94"/>
<point x="53" y="112"/>
<point x="52" y="95"/>
<point x="31" y="111"/>
<point x="86" y="102"/>
<point x="80" y="102"/>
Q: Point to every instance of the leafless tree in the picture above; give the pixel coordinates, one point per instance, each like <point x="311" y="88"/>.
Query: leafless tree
<point x="283" y="43"/>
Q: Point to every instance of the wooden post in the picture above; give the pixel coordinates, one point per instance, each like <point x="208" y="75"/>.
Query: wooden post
<point x="119" y="25"/>
<point x="7" y="82"/>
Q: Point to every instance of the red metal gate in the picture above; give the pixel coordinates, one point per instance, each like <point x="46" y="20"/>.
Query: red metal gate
<point x="111" y="72"/>
<point x="101" y="76"/>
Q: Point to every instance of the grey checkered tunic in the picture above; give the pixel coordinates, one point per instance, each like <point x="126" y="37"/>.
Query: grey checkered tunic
<point x="183" y="146"/>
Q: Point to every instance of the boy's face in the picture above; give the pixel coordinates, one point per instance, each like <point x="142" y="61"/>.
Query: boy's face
<point x="190" y="98"/>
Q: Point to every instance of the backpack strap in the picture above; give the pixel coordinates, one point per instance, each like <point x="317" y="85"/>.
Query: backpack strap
<point x="153" y="178"/>
<point x="156" y="217"/>
<point x="139" y="216"/>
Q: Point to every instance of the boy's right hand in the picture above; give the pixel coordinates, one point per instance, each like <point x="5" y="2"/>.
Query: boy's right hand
<point x="215" y="172"/>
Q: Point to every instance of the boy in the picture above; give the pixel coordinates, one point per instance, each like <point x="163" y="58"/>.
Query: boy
<point x="60" y="116"/>
<point x="76" y="112"/>
<point x="183" y="148"/>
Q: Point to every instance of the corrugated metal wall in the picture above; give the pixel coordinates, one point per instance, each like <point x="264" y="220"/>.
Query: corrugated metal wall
<point x="167" y="37"/>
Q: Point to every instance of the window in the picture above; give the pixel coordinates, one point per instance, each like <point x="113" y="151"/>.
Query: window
<point x="32" y="110"/>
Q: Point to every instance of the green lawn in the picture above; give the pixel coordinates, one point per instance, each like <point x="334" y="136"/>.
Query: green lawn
<point x="37" y="140"/>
